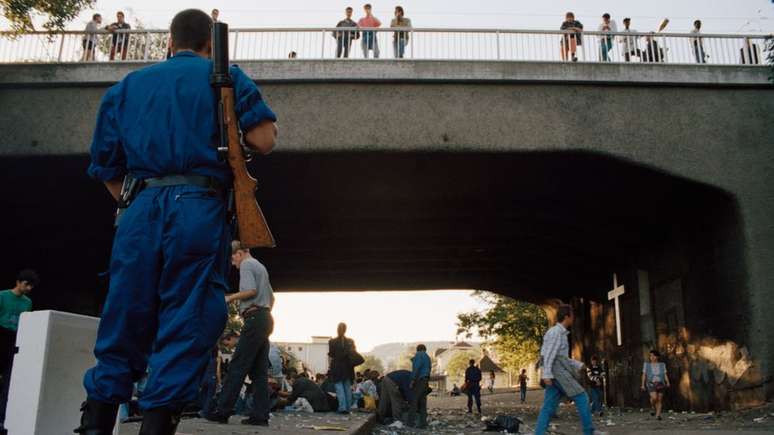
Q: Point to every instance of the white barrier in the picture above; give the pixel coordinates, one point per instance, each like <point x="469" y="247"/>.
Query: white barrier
<point x="55" y="349"/>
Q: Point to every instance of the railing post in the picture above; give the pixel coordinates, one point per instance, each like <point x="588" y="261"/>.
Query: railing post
<point x="322" y="53"/>
<point x="147" y="46"/>
<point x="61" y="47"/>
<point x="497" y="35"/>
<point x="236" y="41"/>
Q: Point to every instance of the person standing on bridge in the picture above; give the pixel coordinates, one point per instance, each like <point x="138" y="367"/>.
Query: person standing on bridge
<point x="369" y="41"/>
<point x="698" y="43"/>
<point x="400" y="39"/>
<point x="344" y="38"/>
<point x="251" y="357"/>
<point x="165" y="307"/>
<point x="572" y="38"/>
<point x="630" y="44"/>
<point x="120" y="41"/>
<point x="89" y="41"/>
<point x="559" y="374"/>
<point x="607" y="26"/>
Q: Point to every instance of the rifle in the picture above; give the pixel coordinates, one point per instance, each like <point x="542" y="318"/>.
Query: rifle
<point x="253" y="231"/>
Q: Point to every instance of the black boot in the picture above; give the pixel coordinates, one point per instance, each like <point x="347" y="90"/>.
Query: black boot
<point x="160" y="421"/>
<point x="97" y="418"/>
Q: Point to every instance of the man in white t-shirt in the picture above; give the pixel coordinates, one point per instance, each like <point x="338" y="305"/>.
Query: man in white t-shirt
<point x="606" y="41"/>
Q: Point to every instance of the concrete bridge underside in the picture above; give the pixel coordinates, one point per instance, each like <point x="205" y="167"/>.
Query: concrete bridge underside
<point x="538" y="182"/>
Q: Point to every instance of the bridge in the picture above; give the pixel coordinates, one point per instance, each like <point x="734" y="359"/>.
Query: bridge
<point x="535" y="179"/>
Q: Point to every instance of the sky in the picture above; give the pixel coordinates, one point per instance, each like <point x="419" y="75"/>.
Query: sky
<point x="372" y="318"/>
<point x="718" y="16"/>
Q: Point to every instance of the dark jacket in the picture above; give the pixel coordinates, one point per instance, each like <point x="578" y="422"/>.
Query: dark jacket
<point x="402" y="379"/>
<point x="473" y="375"/>
<point x="339" y="350"/>
<point x="310" y="391"/>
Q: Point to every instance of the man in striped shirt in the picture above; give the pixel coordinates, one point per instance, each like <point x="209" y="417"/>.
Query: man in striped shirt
<point x="559" y="374"/>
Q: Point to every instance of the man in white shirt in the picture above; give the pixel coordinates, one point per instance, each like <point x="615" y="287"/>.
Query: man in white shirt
<point x="606" y="41"/>
<point x="89" y="41"/>
<point x="558" y="374"/>
<point x="256" y="299"/>
<point x="631" y="46"/>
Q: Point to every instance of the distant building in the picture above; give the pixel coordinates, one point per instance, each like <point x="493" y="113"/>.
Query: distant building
<point x="502" y="378"/>
<point x="442" y="356"/>
<point x="313" y="356"/>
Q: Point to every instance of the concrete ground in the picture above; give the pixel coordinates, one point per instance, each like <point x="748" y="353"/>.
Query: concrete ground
<point x="447" y="416"/>
<point x="283" y="423"/>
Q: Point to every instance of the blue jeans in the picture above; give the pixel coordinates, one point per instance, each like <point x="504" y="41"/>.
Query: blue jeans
<point x="551" y="401"/>
<point x="604" y="47"/>
<point x="344" y="395"/>
<point x="596" y="399"/>
<point x="523" y="394"/>
<point x="399" y="47"/>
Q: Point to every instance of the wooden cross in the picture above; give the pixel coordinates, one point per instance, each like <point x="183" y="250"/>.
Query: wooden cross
<point x="613" y="295"/>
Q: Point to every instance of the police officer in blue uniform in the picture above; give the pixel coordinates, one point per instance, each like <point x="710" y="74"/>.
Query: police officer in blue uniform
<point x="165" y="308"/>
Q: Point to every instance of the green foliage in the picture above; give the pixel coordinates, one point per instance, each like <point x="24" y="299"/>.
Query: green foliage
<point x="371" y="362"/>
<point x="234" y="322"/>
<point x="58" y="12"/>
<point x="515" y="329"/>
<point x="459" y="363"/>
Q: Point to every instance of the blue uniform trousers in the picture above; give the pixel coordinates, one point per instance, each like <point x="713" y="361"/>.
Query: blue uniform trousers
<point x="165" y="308"/>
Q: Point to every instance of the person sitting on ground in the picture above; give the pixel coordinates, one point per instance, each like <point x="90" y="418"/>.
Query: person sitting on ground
<point x="369" y="391"/>
<point x="305" y="388"/>
<point x="455" y="391"/>
<point x="329" y="388"/>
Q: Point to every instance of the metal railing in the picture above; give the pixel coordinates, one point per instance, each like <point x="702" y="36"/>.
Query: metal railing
<point x="390" y="43"/>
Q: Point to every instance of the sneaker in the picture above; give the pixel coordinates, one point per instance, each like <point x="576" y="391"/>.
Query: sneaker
<point x="659" y="418"/>
<point x="252" y="421"/>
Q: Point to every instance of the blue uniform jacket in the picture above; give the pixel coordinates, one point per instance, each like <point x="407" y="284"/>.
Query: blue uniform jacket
<point x="161" y="120"/>
<point x="420" y="366"/>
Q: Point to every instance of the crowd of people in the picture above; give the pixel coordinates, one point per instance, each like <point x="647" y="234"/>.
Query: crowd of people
<point x="644" y="47"/>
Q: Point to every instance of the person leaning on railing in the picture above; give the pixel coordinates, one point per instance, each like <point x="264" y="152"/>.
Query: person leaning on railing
<point x="120" y="40"/>
<point x="570" y="41"/>
<point x="344" y="38"/>
<point x="400" y="39"/>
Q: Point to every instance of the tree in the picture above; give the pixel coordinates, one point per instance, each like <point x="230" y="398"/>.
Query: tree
<point x="59" y="12"/>
<point x="371" y="362"/>
<point x="459" y="363"/>
<point x="514" y="328"/>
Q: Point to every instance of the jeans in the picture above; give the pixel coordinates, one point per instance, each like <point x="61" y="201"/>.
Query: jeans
<point x="474" y="392"/>
<point x="596" y="399"/>
<point x="604" y="47"/>
<point x="342" y="46"/>
<point x="399" y="47"/>
<point x="250" y="357"/>
<point x="344" y="395"/>
<point x="369" y="42"/>
<point x="553" y="394"/>
<point x="698" y="50"/>
<point x="523" y="395"/>
<point x="209" y="387"/>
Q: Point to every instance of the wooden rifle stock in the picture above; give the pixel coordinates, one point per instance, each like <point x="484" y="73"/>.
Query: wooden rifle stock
<point x="253" y="229"/>
<point x="251" y="224"/>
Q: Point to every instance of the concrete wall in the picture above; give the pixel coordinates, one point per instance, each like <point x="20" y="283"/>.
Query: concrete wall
<point x="710" y="125"/>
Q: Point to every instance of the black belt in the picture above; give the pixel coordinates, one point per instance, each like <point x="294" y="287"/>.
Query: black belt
<point x="180" y="180"/>
<point x="251" y="311"/>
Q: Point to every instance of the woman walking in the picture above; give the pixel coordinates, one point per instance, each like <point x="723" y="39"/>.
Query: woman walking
<point x="655" y="380"/>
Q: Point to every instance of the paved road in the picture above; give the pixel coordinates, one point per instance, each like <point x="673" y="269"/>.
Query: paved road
<point x="447" y="416"/>
<point x="281" y="424"/>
